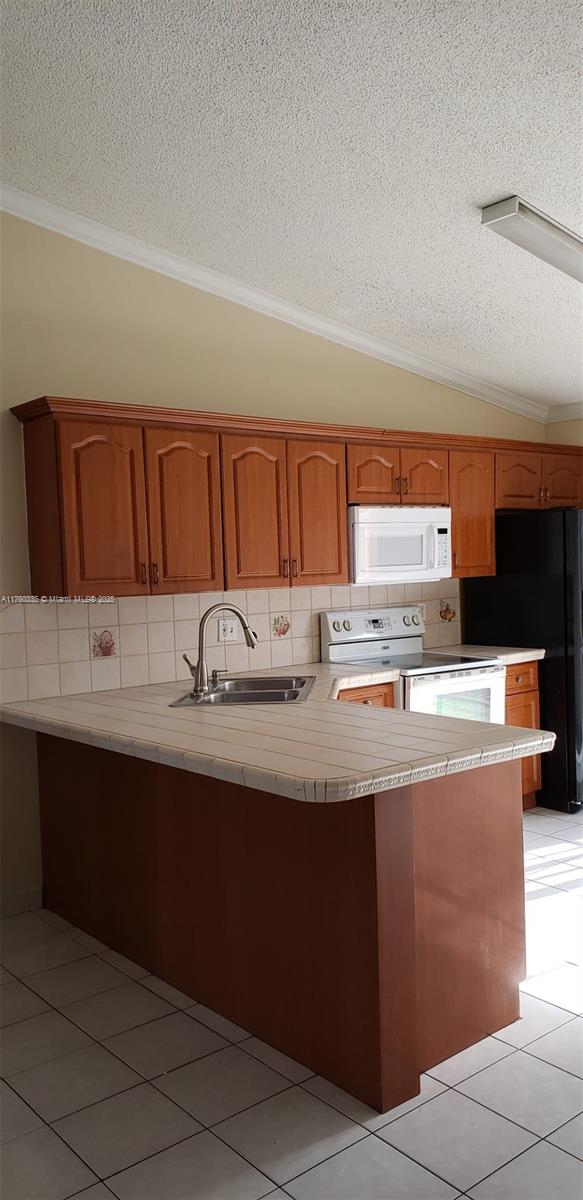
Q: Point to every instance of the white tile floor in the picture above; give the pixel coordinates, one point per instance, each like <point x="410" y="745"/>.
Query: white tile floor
<point x="117" y="1084"/>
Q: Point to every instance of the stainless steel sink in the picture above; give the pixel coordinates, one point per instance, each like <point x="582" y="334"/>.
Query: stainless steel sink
<point x="270" y="689"/>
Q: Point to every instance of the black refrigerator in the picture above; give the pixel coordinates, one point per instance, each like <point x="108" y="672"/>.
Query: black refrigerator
<point x="536" y="599"/>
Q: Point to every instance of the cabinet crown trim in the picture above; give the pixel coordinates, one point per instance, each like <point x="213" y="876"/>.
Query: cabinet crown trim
<point x="62" y="407"/>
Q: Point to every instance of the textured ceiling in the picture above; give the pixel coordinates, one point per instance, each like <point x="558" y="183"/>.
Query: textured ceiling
<point x="334" y="153"/>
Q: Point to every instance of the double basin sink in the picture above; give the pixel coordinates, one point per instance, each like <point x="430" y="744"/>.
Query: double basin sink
<point x="270" y="689"/>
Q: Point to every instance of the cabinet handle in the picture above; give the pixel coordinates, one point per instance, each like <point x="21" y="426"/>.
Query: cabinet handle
<point x="405" y="485"/>
<point x="540" y="494"/>
<point x="547" y="495"/>
<point x="143" y="572"/>
<point x="155" y="573"/>
<point x="367" y="702"/>
<point x="398" y="485"/>
<point x="295" y="568"/>
<point x="286" y="568"/>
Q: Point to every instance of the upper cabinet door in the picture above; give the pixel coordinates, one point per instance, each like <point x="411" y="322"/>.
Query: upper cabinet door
<point x="255" y="511"/>
<point x="104" y="508"/>
<point x="519" y="479"/>
<point x="472" y="508"/>
<point x="318" y="512"/>
<point x="184" y="510"/>
<point x="424" y="476"/>
<point x="562" y="479"/>
<point x="373" y="475"/>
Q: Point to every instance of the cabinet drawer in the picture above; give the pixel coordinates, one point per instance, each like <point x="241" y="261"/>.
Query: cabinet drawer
<point x="521" y="677"/>
<point x="380" y="695"/>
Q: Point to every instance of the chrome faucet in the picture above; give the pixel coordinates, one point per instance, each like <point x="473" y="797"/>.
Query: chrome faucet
<point x="200" y="671"/>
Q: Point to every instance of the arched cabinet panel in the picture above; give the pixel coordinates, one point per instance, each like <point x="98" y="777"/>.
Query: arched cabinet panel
<point x="255" y="512"/>
<point x="184" y="510"/>
<point x="519" y="479"/>
<point x="472" y="507"/>
<point x="373" y="473"/>
<point x="424" y="476"/>
<point x="318" y="512"/>
<point x="104" y="508"/>
<point x="562" y="479"/>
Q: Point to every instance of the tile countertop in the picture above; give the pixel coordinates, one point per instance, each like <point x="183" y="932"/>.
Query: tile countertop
<point x="319" y="750"/>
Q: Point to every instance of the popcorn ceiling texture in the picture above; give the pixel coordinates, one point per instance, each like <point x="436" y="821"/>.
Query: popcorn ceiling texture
<point x="63" y="649"/>
<point x="334" y="153"/>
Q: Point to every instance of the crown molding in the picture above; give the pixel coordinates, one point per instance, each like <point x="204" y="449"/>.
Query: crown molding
<point x="565" y="412"/>
<point x="82" y="229"/>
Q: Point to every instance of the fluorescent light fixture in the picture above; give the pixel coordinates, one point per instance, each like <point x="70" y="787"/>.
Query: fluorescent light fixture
<point x="527" y="227"/>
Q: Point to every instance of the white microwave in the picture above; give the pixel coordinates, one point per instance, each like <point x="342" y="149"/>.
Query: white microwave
<point x="394" y="544"/>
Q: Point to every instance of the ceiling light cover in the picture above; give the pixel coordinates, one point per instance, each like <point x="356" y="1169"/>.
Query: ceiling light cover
<point x="526" y="226"/>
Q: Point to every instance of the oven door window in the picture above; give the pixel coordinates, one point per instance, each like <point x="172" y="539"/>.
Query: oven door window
<point x="472" y="698"/>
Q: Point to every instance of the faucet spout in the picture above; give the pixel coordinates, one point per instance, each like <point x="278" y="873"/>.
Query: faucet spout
<point x="201" y="678"/>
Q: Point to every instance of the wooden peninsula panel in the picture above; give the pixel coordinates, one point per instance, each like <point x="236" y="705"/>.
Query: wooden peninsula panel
<point x="368" y="939"/>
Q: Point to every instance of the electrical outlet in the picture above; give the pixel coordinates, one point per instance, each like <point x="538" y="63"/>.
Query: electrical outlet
<point x="423" y="613"/>
<point x="227" y="630"/>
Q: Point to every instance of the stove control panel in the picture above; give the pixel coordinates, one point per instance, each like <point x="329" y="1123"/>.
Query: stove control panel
<point x="366" y="626"/>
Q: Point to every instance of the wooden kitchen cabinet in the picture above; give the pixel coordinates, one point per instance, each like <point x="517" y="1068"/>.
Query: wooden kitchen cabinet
<point x="523" y="709"/>
<point x="379" y="695"/>
<point x="373" y="475"/>
<point x="527" y="480"/>
<point x="562" y="480"/>
<point x="184" y="510"/>
<point x="255" y="509"/>
<point x="424" y="476"/>
<point x="519" y="479"/>
<point x="472" y="507"/>
<point x="318" y="517"/>
<point x="387" y="475"/>
<point x="103" y="498"/>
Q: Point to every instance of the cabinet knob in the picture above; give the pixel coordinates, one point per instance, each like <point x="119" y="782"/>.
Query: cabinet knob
<point x="143" y="572"/>
<point x="155" y="573"/>
<point x="520" y="678"/>
<point x="367" y="701"/>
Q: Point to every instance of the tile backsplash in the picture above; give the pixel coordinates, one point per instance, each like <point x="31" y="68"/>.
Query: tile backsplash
<point x="63" y="649"/>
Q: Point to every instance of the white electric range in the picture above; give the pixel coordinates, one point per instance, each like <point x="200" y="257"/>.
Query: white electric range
<point x="431" y="681"/>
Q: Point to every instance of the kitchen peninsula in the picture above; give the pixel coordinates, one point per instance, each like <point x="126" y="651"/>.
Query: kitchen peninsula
<point x="323" y="874"/>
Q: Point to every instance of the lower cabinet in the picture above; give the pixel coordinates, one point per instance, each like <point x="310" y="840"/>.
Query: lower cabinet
<point x="523" y="709"/>
<point x="380" y="695"/>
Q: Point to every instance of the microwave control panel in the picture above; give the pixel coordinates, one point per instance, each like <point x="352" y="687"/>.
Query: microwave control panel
<point x="442" y="546"/>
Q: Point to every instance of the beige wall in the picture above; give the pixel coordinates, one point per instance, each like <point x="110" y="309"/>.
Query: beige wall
<point x="77" y="322"/>
<point x="570" y="432"/>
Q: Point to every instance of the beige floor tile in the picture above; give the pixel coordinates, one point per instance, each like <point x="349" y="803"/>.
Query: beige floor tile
<point x="134" y="970"/>
<point x="367" y="1171"/>
<point x="162" y="1045"/>
<point x="22" y="928"/>
<point x="457" y="1139"/>
<point x="118" y="1009"/>
<point x="289" y="1133"/>
<point x="357" y="1111"/>
<point x="562" y="986"/>
<point x="40" y="1167"/>
<point x="202" y="1167"/>
<point x="221" y="1025"/>
<point x="16" y="1118"/>
<point x="76" y="980"/>
<point x="122" y="1130"/>
<point x="274" y="1058"/>
<point x="37" y="1040"/>
<point x="467" y="1062"/>
<point x="50" y="949"/>
<point x="534" y="1094"/>
<point x="536" y="1018"/>
<point x="563" y="1047"/>
<point x="17" y="1002"/>
<point x="98" y="1192"/>
<point x="222" y="1084"/>
<point x="570" y="1137"/>
<point x="167" y="992"/>
<point x="542" y="1173"/>
<point x="67" y="1084"/>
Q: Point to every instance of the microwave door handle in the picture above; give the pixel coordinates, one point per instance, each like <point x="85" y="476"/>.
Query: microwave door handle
<point x="432" y="543"/>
